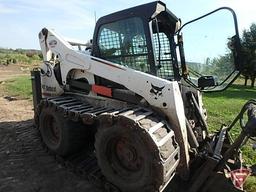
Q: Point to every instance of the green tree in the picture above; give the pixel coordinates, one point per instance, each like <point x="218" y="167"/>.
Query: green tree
<point x="249" y="53"/>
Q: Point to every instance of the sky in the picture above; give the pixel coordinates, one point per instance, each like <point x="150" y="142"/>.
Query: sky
<point x="21" y="20"/>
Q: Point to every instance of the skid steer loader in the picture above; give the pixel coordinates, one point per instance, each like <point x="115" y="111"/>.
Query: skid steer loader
<point x="126" y="108"/>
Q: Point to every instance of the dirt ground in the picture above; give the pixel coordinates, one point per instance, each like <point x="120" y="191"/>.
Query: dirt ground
<point x="7" y="72"/>
<point x="24" y="165"/>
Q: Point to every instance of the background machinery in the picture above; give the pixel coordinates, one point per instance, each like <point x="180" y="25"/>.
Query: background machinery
<point x="126" y="110"/>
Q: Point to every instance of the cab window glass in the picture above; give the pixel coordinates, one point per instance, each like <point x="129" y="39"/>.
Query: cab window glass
<point x="124" y="42"/>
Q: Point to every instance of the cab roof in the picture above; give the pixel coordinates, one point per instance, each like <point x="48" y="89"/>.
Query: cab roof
<point x="147" y="11"/>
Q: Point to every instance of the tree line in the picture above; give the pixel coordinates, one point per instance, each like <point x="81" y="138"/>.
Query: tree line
<point x="249" y="54"/>
<point x="21" y="56"/>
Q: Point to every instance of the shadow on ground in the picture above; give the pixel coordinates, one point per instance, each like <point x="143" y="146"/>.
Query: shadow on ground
<point x="25" y="166"/>
<point x="234" y="92"/>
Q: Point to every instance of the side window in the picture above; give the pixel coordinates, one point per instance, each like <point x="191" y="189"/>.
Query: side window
<point x="124" y="42"/>
<point x="165" y="69"/>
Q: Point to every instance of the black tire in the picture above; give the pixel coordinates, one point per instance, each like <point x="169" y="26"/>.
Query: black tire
<point x="131" y="169"/>
<point x="60" y="135"/>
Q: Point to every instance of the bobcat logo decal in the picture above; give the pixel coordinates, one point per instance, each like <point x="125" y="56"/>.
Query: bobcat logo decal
<point x="157" y="91"/>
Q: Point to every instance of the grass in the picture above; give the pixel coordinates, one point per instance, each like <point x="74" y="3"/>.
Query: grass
<point x="222" y="108"/>
<point x="250" y="184"/>
<point x="19" y="87"/>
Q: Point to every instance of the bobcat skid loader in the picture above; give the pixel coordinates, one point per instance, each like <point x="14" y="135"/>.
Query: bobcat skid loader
<point x="126" y="108"/>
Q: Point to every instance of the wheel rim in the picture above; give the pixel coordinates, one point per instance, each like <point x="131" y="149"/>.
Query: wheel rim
<point x="127" y="155"/>
<point x="52" y="130"/>
<point x="124" y="157"/>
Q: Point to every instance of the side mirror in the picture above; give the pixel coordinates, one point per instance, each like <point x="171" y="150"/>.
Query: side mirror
<point x="207" y="81"/>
